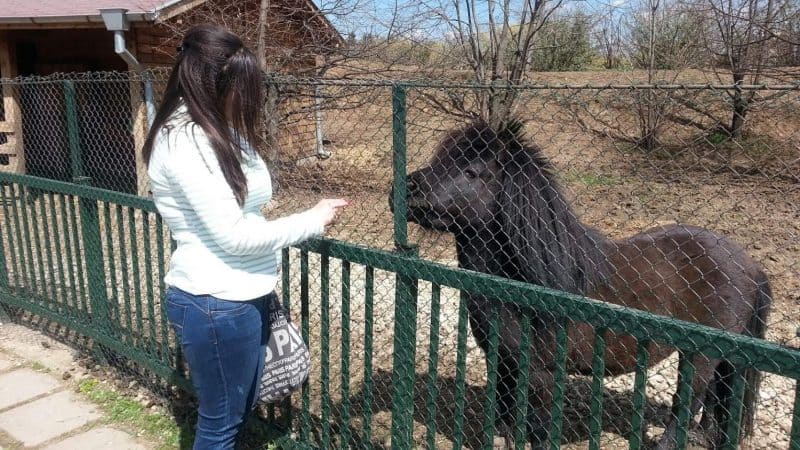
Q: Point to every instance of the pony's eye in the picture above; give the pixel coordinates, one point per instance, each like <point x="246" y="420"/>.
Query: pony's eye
<point x="470" y="173"/>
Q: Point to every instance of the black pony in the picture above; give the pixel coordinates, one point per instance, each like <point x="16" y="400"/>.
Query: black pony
<point x="497" y="194"/>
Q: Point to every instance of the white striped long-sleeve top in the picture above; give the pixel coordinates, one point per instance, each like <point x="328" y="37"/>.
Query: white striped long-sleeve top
<point x="224" y="250"/>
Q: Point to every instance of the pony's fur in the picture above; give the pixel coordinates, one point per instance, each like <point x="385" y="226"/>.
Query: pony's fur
<point x="498" y="195"/>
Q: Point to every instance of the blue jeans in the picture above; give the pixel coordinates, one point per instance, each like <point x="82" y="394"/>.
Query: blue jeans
<point x="223" y="343"/>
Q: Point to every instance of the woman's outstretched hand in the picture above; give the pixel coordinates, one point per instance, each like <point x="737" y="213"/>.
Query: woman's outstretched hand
<point x="328" y="208"/>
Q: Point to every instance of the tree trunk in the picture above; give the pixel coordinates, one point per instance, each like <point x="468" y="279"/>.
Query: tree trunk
<point x="501" y="102"/>
<point x="270" y="132"/>
<point x="650" y="135"/>
<point x="740" y="107"/>
<point x="271" y="100"/>
<point x="262" y="34"/>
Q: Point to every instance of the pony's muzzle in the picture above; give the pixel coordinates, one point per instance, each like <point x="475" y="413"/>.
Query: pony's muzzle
<point x="411" y="186"/>
<point x="412" y="189"/>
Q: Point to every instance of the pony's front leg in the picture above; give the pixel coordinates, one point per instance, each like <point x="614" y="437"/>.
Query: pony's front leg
<point x="536" y="422"/>
<point x="505" y="404"/>
<point x="669" y="440"/>
<point x="540" y="405"/>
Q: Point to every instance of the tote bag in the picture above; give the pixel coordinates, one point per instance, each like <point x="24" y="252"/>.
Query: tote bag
<point x="286" y="362"/>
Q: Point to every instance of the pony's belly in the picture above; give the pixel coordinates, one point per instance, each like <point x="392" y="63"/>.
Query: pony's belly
<point x="620" y="354"/>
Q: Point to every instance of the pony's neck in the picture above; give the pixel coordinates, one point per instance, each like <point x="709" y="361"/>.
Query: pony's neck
<point x="481" y="251"/>
<point x="550" y="245"/>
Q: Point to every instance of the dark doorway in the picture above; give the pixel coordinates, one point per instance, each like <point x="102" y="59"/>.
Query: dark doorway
<point x="77" y="63"/>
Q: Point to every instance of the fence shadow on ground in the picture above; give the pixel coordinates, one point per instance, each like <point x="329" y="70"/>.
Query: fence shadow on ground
<point x="617" y="411"/>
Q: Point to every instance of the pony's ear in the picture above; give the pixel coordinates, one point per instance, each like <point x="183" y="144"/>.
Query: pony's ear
<point x="513" y="127"/>
<point x="539" y="225"/>
<point x="511" y="135"/>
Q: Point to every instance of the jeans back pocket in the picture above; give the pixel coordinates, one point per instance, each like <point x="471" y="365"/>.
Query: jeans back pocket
<point x="176" y="314"/>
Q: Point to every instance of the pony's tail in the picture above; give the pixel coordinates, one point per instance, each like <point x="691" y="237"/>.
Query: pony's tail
<point x="757" y="328"/>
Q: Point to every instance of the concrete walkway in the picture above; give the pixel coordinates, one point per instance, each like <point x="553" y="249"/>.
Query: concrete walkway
<point x="40" y="407"/>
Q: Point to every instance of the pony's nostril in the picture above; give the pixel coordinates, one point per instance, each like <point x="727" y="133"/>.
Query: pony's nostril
<point x="411" y="186"/>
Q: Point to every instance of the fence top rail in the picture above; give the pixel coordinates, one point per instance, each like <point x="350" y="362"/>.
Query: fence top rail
<point x="411" y="84"/>
<point x="160" y="74"/>
<point x="153" y="74"/>
<point x="90" y="192"/>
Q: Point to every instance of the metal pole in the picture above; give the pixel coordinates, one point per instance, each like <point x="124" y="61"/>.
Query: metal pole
<point x="399" y="166"/>
<point x="90" y="224"/>
<point x="73" y="134"/>
<point x="405" y="290"/>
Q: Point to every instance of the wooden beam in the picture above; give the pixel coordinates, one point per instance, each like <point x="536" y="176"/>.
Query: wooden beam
<point x="139" y="116"/>
<point x="12" y="123"/>
<point x="5" y="56"/>
<point x="178" y="9"/>
<point x="145" y="38"/>
<point x="8" y="150"/>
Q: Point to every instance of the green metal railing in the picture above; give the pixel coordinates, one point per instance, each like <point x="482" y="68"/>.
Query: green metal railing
<point x="93" y="260"/>
<point x="89" y="258"/>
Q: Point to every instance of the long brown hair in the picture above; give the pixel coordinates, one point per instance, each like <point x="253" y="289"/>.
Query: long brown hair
<point x="214" y="73"/>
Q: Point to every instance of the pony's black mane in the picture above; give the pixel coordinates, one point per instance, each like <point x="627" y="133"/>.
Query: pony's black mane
<point x="553" y="247"/>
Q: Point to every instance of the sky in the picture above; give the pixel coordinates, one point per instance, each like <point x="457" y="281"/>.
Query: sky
<point x="418" y="19"/>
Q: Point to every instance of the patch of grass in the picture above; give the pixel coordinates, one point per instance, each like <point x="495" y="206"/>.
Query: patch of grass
<point x="126" y="411"/>
<point x="752" y="146"/>
<point x="757" y="146"/>
<point x="592" y="180"/>
<point x="39" y="367"/>
<point x="717" y="138"/>
<point x="163" y="428"/>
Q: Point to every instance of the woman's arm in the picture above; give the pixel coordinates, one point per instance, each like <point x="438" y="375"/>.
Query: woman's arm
<point x="210" y="196"/>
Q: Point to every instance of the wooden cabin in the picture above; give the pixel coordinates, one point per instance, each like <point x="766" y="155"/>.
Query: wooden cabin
<point x="88" y="42"/>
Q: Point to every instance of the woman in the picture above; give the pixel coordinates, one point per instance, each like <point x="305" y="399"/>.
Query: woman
<point x="209" y="185"/>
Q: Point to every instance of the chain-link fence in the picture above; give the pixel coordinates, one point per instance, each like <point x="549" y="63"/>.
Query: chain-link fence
<point x="559" y="197"/>
<point x="624" y="159"/>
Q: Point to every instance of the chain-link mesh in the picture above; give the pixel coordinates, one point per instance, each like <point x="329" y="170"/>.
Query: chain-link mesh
<point x="81" y="128"/>
<point x="598" y="177"/>
<point x="558" y="199"/>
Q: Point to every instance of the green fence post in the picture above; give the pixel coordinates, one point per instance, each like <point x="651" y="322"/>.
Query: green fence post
<point x="4" y="316"/>
<point x="3" y="267"/>
<point x="461" y="372"/>
<point x="90" y="222"/>
<point x="559" y="383"/>
<point x="794" y="436"/>
<point x="733" y="419"/>
<point x="405" y="342"/>
<point x="369" y="321"/>
<point x="639" y="395"/>
<point x="73" y="134"/>
<point x="598" y="371"/>
<point x="684" y="406"/>
<point x="433" y="363"/>
<point x="405" y="327"/>
<point x="399" y="166"/>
